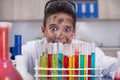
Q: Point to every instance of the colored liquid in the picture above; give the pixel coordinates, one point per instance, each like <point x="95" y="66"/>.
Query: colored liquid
<point x="89" y="66"/>
<point x="66" y="65"/>
<point x="40" y="72"/>
<point x="70" y="66"/>
<point x="76" y="66"/>
<point x="44" y="65"/>
<point x="85" y="66"/>
<point x="49" y="65"/>
<point x="73" y="65"/>
<point x="92" y="65"/>
<point x="60" y="65"/>
<point x="54" y="65"/>
<point x="117" y="76"/>
<point x="81" y="66"/>
<point x="7" y="70"/>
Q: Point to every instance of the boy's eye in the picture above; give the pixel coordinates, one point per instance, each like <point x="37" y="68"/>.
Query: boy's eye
<point x="67" y="30"/>
<point x="53" y="28"/>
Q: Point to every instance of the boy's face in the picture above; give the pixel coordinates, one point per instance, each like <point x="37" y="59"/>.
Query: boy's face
<point x="59" y="28"/>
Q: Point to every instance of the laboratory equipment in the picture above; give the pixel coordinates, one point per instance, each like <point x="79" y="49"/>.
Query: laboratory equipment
<point x="49" y="59"/>
<point x="21" y="61"/>
<point x="117" y="73"/>
<point x="71" y="62"/>
<point x="55" y="61"/>
<point x="60" y="59"/>
<point x="7" y="70"/>
<point x="21" y="66"/>
<point x="93" y="61"/>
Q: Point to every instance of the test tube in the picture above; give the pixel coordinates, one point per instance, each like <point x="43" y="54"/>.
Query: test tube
<point x="60" y="58"/>
<point x="49" y="59"/>
<point x="80" y="52"/>
<point x="44" y="61"/>
<point x="93" y="61"/>
<point x="82" y="62"/>
<point x="71" y="62"/>
<point x="89" y="59"/>
<point x="66" y="61"/>
<point x="76" y="53"/>
<point x="85" y="59"/>
<point x="55" y="61"/>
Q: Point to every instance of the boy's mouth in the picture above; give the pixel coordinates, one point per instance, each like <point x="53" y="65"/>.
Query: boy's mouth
<point x="64" y="41"/>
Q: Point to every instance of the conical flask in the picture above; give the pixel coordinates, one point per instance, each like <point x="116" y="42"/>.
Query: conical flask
<point x="117" y="73"/>
<point x="7" y="70"/>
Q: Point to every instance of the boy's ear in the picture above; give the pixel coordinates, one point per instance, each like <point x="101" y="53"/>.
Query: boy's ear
<point x="74" y="34"/>
<point x="43" y="31"/>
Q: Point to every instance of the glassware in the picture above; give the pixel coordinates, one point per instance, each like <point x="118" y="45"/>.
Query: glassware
<point x="7" y="70"/>
<point x="117" y="73"/>
<point x="21" y="66"/>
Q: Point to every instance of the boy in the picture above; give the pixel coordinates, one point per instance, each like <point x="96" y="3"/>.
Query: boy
<point x="59" y="26"/>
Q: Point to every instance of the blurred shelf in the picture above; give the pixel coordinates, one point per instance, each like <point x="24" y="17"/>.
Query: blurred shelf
<point x="84" y="0"/>
<point x="110" y="48"/>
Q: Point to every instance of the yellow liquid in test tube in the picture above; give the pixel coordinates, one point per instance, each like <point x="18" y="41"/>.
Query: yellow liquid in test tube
<point x="44" y="65"/>
<point x="40" y="64"/>
<point x="55" y="61"/>
<point x="73" y="57"/>
<point x="85" y="66"/>
<point x="70" y="66"/>
<point x="54" y="65"/>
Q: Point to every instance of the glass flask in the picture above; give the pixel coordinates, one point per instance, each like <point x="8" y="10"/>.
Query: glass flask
<point x="7" y="70"/>
<point x="117" y="73"/>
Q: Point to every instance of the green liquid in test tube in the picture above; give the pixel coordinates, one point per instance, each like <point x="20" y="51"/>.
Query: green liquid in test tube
<point x="44" y="62"/>
<point x="54" y="61"/>
<point x="80" y="52"/>
<point x="82" y="62"/>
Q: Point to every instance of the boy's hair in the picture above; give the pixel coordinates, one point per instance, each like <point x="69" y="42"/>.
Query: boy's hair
<point x="57" y="6"/>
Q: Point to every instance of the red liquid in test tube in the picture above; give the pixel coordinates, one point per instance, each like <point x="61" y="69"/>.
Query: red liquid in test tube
<point x="76" y="63"/>
<point x="66" y="61"/>
<point x="49" y="59"/>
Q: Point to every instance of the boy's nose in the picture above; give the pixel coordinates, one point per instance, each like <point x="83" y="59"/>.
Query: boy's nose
<point x="59" y="34"/>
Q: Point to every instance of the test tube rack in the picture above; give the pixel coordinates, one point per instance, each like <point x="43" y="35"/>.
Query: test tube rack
<point x="38" y="76"/>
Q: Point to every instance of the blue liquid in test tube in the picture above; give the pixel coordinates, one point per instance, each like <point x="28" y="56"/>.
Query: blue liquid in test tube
<point x="93" y="61"/>
<point x="60" y="57"/>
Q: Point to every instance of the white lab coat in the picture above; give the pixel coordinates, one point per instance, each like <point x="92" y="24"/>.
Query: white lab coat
<point x="33" y="49"/>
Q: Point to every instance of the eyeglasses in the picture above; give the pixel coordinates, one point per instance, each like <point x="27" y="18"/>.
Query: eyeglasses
<point x="69" y="3"/>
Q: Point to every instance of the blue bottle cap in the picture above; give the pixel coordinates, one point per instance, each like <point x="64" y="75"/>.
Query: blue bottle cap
<point x="18" y="39"/>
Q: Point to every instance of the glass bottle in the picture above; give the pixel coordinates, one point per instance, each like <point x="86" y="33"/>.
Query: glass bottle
<point x="21" y="61"/>
<point x="21" y="66"/>
<point x="7" y="70"/>
<point x="117" y="73"/>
